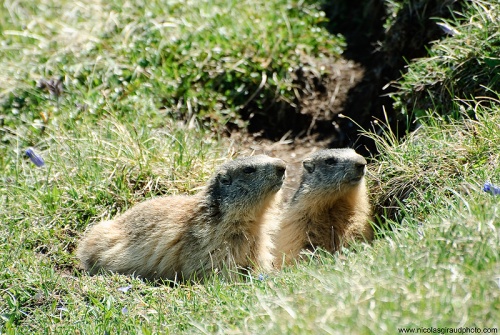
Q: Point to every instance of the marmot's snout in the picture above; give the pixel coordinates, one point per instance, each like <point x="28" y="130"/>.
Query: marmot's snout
<point x="360" y="167"/>
<point x="280" y="170"/>
<point x="358" y="172"/>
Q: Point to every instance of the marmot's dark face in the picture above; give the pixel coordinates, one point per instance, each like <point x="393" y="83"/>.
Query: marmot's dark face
<point x="244" y="184"/>
<point x="332" y="171"/>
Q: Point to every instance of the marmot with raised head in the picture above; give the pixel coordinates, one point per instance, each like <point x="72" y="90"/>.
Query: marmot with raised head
<point x="329" y="209"/>
<point x="225" y="226"/>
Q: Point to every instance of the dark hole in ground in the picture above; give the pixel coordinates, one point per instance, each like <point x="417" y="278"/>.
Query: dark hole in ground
<point x="318" y="98"/>
<point x="358" y="85"/>
<point x="383" y="54"/>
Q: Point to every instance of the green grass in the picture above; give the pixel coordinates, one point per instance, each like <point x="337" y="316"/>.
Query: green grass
<point x="199" y="62"/>
<point x="115" y="137"/>
<point x="461" y="67"/>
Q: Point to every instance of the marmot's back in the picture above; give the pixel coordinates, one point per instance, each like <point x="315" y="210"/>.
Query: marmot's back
<point x="330" y="207"/>
<point x="124" y="245"/>
<point x="225" y="225"/>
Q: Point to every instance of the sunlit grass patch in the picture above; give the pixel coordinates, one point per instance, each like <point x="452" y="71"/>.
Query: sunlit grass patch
<point x="199" y="62"/>
<point x="438" y="154"/>
<point x="460" y="67"/>
<point x="110" y="138"/>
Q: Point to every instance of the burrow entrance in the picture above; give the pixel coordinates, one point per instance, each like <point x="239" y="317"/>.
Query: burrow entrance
<point x="356" y="86"/>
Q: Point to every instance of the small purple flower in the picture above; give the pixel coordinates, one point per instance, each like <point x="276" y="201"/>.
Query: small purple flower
<point x="490" y="188"/>
<point x="124" y="289"/>
<point x="35" y="158"/>
<point x="124" y="310"/>
<point x="447" y="29"/>
<point x="261" y="277"/>
<point x="60" y="307"/>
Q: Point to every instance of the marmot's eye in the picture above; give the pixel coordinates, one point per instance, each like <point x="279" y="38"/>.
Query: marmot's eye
<point x="331" y="161"/>
<point x="249" y="169"/>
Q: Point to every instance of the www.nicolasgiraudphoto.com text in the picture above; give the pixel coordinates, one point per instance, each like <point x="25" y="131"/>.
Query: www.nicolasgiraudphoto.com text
<point x="447" y="330"/>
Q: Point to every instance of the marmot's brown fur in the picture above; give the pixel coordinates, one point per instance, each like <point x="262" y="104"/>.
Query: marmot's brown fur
<point x="330" y="207"/>
<point x="225" y="226"/>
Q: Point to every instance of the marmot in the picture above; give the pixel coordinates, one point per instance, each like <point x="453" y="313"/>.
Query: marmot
<point x="329" y="209"/>
<point x="225" y="226"/>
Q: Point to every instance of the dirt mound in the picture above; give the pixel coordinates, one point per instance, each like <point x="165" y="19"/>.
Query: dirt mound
<point x="321" y="88"/>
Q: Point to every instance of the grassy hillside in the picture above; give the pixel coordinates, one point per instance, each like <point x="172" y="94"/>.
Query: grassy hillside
<point x="200" y="62"/>
<point x="459" y="68"/>
<point x="129" y="100"/>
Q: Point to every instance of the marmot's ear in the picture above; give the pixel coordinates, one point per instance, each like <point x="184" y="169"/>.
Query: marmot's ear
<point x="308" y="165"/>
<point x="224" y="178"/>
